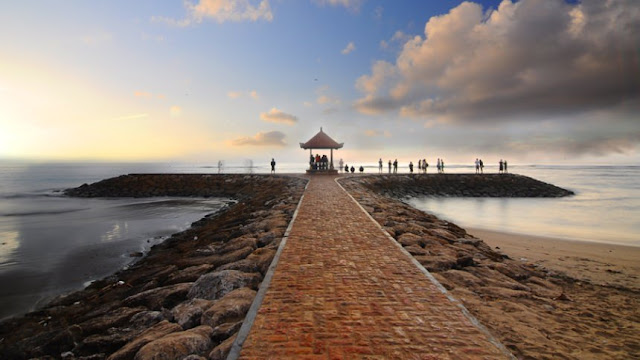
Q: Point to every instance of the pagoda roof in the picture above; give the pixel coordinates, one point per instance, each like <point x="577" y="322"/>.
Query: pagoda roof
<point x="321" y="141"/>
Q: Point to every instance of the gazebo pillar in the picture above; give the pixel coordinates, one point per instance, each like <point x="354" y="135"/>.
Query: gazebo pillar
<point x="331" y="166"/>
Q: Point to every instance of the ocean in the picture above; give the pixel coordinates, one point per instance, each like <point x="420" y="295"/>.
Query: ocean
<point x="51" y="244"/>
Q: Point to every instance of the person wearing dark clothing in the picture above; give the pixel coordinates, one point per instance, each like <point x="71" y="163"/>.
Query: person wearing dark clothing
<point x="346" y="168"/>
<point x="395" y="166"/>
<point x="273" y="165"/>
<point x="361" y="169"/>
<point x="353" y="169"/>
<point x="411" y="167"/>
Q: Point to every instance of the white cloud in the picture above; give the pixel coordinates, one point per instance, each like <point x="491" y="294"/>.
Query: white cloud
<point x="527" y="57"/>
<point x="270" y="138"/>
<point x="221" y="11"/>
<point x="349" y="48"/>
<point x="277" y="116"/>
<point x="353" y="5"/>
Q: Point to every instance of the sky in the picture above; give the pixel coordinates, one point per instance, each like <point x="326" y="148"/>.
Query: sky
<point x="532" y="81"/>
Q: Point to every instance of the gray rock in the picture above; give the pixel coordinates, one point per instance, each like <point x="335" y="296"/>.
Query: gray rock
<point x="154" y="333"/>
<point x="215" y="285"/>
<point x="221" y="351"/>
<point x="231" y="307"/>
<point x="158" y="298"/>
<point x="188" y="313"/>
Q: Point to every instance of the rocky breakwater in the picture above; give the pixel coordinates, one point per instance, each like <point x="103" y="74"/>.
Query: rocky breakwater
<point x="462" y="185"/>
<point x="187" y="297"/>
<point x="535" y="312"/>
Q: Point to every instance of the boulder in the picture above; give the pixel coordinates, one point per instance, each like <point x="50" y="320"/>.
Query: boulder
<point x="215" y="285"/>
<point x="232" y="306"/>
<point x="189" y="274"/>
<point x="111" y="319"/>
<point x="153" y="333"/>
<point x="178" y="345"/>
<point x="146" y="319"/>
<point x="188" y="313"/>
<point x="158" y="298"/>
<point x="221" y="351"/>
<point x="225" y="330"/>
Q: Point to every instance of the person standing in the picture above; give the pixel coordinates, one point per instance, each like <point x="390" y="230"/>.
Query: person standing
<point x="425" y="165"/>
<point x="411" y="167"/>
<point x="505" y="166"/>
<point x="501" y="164"/>
<point x="273" y="166"/>
<point x="442" y="165"/>
<point x="380" y="166"/>
<point x="395" y="166"/>
<point x="341" y="163"/>
<point x="481" y="167"/>
<point x="389" y="166"/>
<point x="477" y="166"/>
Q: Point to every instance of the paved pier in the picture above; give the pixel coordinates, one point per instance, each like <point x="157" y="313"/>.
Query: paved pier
<point x="342" y="289"/>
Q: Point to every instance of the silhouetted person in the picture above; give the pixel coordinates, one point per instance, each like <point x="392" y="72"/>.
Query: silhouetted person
<point x="501" y="166"/>
<point x="353" y="169"/>
<point x="505" y="166"/>
<point x="395" y="166"/>
<point x="346" y="169"/>
<point x="389" y="166"/>
<point x="410" y="167"/>
<point x="273" y="165"/>
<point x="361" y="169"/>
<point x="380" y="166"/>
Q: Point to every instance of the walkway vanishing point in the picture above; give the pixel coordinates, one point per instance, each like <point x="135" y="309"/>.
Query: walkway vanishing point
<point x="342" y="288"/>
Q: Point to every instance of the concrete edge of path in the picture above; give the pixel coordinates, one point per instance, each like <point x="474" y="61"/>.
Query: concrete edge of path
<point x="243" y="333"/>
<point x="438" y="285"/>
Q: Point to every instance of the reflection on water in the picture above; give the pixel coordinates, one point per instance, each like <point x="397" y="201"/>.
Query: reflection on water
<point x="45" y="251"/>
<point x="8" y="244"/>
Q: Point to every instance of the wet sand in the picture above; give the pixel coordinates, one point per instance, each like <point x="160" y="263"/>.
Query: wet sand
<point x="599" y="263"/>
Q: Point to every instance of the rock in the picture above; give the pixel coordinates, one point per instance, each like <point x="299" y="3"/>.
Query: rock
<point x="215" y="285"/>
<point x="221" y="351"/>
<point x="107" y="343"/>
<point x="189" y="274"/>
<point x="237" y="244"/>
<point x="153" y="333"/>
<point x="232" y="306"/>
<point x="225" y="330"/>
<point x="178" y="345"/>
<point x="158" y="298"/>
<point x="113" y="318"/>
<point x="262" y="258"/>
<point x="409" y="239"/>
<point x="146" y="319"/>
<point x="188" y="313"/>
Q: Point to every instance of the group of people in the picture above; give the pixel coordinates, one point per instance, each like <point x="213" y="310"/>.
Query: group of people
<point x="503" y="166"/>
<point x="479" y="166"/>
<point x="319" y="162"/>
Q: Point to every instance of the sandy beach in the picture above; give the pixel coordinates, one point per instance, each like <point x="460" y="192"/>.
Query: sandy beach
<point x="599" y="263"/>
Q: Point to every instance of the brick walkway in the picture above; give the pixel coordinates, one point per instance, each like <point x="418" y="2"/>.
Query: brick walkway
<point x="343" y="290"/>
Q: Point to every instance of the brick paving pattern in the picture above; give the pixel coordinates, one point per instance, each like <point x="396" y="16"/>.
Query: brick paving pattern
<point x="343" y="290"/>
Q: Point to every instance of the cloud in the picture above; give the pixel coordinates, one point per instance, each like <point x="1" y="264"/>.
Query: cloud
<point x="270" y="138"/>
<point x="349" y="48"/>
<point x="234" y="94"/>
<point x="529" y="59"/>
<point x="130" y="117"/>
<point x="353" y="5"/>
<point x="143" y="94"/>
<point x="221" y="11"/>
<point x="237" y="94"/>
<point x="175" y="110"/>
<point x="276" y="116"/>
<point x="377" y="133"/>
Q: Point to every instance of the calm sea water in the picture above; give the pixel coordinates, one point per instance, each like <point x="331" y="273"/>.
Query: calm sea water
<point x="606" y="207"/>
<point x="51" y="244"/>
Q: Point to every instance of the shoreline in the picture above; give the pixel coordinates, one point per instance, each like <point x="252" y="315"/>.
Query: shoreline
<point x="601" y="263"/>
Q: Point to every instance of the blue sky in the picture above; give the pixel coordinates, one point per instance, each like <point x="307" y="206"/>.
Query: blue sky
<point x="533" y="80"/>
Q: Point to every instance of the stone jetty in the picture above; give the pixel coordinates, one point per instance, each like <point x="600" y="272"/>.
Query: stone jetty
<point x="342" y="287"/>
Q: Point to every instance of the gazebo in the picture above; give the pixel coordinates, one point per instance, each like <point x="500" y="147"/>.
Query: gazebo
<point x="321" y="141"/>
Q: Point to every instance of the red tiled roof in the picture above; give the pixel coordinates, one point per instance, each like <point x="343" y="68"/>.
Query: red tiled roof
<point x="321" y="141"/>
